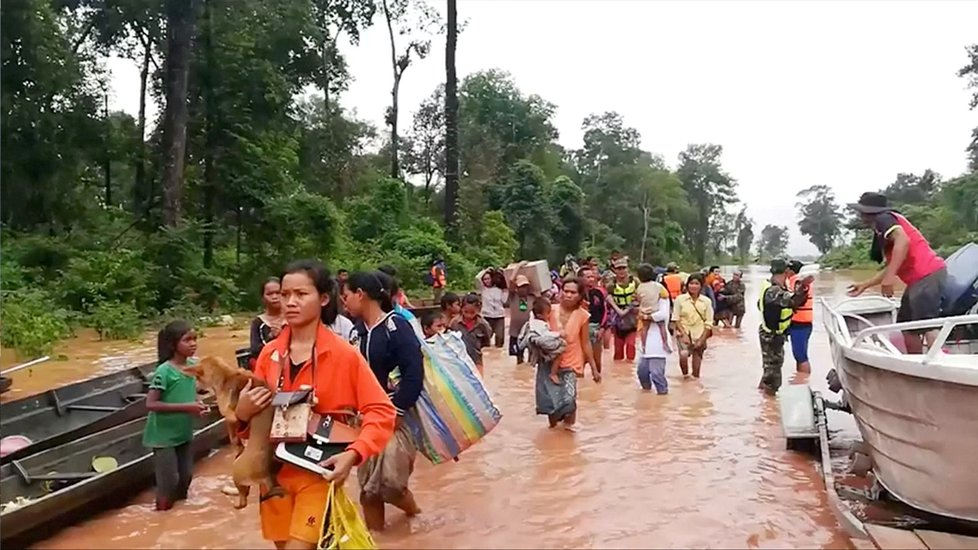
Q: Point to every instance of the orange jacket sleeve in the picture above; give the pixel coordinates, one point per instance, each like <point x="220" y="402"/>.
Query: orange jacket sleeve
<point x="377" y="413"/>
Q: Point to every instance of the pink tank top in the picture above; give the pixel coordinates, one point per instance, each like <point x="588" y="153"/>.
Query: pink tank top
<point x="921" y="259"/>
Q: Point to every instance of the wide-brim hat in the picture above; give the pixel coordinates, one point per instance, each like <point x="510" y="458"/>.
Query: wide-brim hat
<point x="620" y="262"/>
<point x="871" y="203"/>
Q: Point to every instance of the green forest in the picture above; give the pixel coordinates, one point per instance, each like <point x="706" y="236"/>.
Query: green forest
<point x="110" y="221"/>
<point x="113" y="222"/>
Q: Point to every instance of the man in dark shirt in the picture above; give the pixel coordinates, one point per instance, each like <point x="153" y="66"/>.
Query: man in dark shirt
<point x="597" y="298"/>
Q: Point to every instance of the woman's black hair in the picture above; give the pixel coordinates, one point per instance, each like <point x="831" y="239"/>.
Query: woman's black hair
<point x="448" y="299"/>
<point x="698" y="277"/>
<point x="646" y="273"/>
<point x="269" y="280"/>
<point x="376" y="285"/>
<point x="391" y="272"/>
<point x="324" y="283"/>
<point x="169" y="337"/>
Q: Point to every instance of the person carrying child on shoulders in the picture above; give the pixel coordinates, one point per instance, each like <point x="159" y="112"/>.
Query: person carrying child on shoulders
<point x="648" y="295"/>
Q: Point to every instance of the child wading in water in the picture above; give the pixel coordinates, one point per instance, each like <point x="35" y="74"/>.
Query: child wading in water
<point x="476" y="332"/>
<point x="647" y="295"/>
<point x="544" y="344"/>
<point x="172" y="404"/>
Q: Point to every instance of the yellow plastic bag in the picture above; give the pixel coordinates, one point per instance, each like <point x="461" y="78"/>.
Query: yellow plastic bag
<point x="343" y="528"/>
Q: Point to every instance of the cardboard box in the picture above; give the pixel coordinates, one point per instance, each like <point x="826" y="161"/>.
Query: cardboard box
<point x="538" y="272"/>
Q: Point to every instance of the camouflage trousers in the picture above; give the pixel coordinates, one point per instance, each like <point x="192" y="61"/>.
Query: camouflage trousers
<point x="772" y="358"/>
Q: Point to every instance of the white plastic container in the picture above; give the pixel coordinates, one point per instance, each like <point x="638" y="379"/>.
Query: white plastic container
<point x="538" y="272"/>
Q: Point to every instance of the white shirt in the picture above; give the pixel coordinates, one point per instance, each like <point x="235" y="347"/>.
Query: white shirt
<point x="342" y="327"/>
<point x="494" y="302"/>
<point x="653" y="340"/>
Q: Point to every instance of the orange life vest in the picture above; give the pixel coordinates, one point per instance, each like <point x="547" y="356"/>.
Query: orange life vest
<point x="674" y="284"/>
<point x="437" y="277"/>
<point x="806" y="313"/>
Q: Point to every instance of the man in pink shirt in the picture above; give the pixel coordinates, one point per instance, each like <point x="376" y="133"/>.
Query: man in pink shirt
<point x="909" y="258"/>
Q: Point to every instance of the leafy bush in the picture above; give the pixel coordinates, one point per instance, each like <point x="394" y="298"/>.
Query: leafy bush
<point x="32" y="323"/>
<point x="116" y="321"/>
<point x="98" y="276"/>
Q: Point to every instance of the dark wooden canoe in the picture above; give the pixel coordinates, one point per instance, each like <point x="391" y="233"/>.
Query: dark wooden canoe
<point x="63" y="487"/>
<point x="67" y="413"/>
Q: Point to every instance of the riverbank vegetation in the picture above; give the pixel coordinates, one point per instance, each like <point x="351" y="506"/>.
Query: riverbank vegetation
<point x="111" y="220"/>
<point x="944" y="210"/>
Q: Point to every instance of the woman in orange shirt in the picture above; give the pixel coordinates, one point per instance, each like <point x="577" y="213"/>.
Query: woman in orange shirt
<point x="559" y="401"/>
<point x="342" y="382"/>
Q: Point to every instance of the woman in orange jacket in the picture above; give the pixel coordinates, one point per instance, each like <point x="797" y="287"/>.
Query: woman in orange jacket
<point x="343" y="382"/>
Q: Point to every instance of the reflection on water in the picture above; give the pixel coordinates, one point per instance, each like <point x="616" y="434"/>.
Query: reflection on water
<point x="704" y="466"/>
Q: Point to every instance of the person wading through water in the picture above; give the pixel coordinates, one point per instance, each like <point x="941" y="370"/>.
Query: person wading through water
<point x="909" y="258"/>
<point x="268" y="325"/>
<point x="308" y="354"/>
<point x="389" y="342"/>
<point x="800" y="331"/>
<point x="693" y="317"/>
<point x="735" y="291"/>
<point x="559" y="401"/>
<point x="777" y="305"/>
<point x="622" y="301"/>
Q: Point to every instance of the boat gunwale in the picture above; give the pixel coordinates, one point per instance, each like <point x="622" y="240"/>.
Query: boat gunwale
<point x="921" y="366"/>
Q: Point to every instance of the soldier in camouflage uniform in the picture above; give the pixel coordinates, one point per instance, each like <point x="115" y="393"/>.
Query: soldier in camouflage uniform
<point x="777" y="304"/>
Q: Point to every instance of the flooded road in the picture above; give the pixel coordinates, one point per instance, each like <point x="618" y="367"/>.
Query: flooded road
<point x="704" y="466"/>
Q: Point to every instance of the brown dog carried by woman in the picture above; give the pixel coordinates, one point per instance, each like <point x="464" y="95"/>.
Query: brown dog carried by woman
<point x="253" y="463"/>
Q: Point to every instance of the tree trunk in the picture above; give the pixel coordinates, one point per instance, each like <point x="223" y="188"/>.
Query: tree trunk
<point x="140" y="195"/>
<point x="395" y="141"/>
<point x="704" y="231"/>
<point x="210" y="141"/>
<point x="451" y="123"/>
<point x="179" y="34"/>
<point x="108" y="152"/>
<point x="645" y="227"/>
<point x="392" y="115"/>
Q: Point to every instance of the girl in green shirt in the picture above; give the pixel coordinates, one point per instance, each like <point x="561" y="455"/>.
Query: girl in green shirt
<point x="172" y="403"/>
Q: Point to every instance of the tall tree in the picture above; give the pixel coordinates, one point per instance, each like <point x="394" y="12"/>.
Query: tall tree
<point x="970" y="72"/>
<point x="744" y="227"/>
<point x="710" y="190"/>
<point x="425" y="148"/>
<point x="819" y="216"/>
<point x="911" y="188"/>
<point x="334" y="18"/>
<point x="451" y="122"/>
<point x="773" y="242"/>
<point x="413" y="20"/>
<point x="524" y="200"/>
<point x="179" y="34"/>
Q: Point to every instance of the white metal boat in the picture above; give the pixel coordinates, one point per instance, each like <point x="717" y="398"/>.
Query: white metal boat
<point x="917" y="413"/>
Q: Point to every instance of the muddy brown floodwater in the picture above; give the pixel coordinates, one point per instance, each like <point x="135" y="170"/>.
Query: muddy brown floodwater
<point x="704" y="466"/>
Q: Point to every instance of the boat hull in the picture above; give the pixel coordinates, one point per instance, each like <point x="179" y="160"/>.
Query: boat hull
<point x="65" y="414"/>
<point x="920" y="431"/>
<point x="55" y="510"/>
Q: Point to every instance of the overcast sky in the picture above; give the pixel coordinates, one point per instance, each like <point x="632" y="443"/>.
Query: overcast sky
<point x="842" y="93"/>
